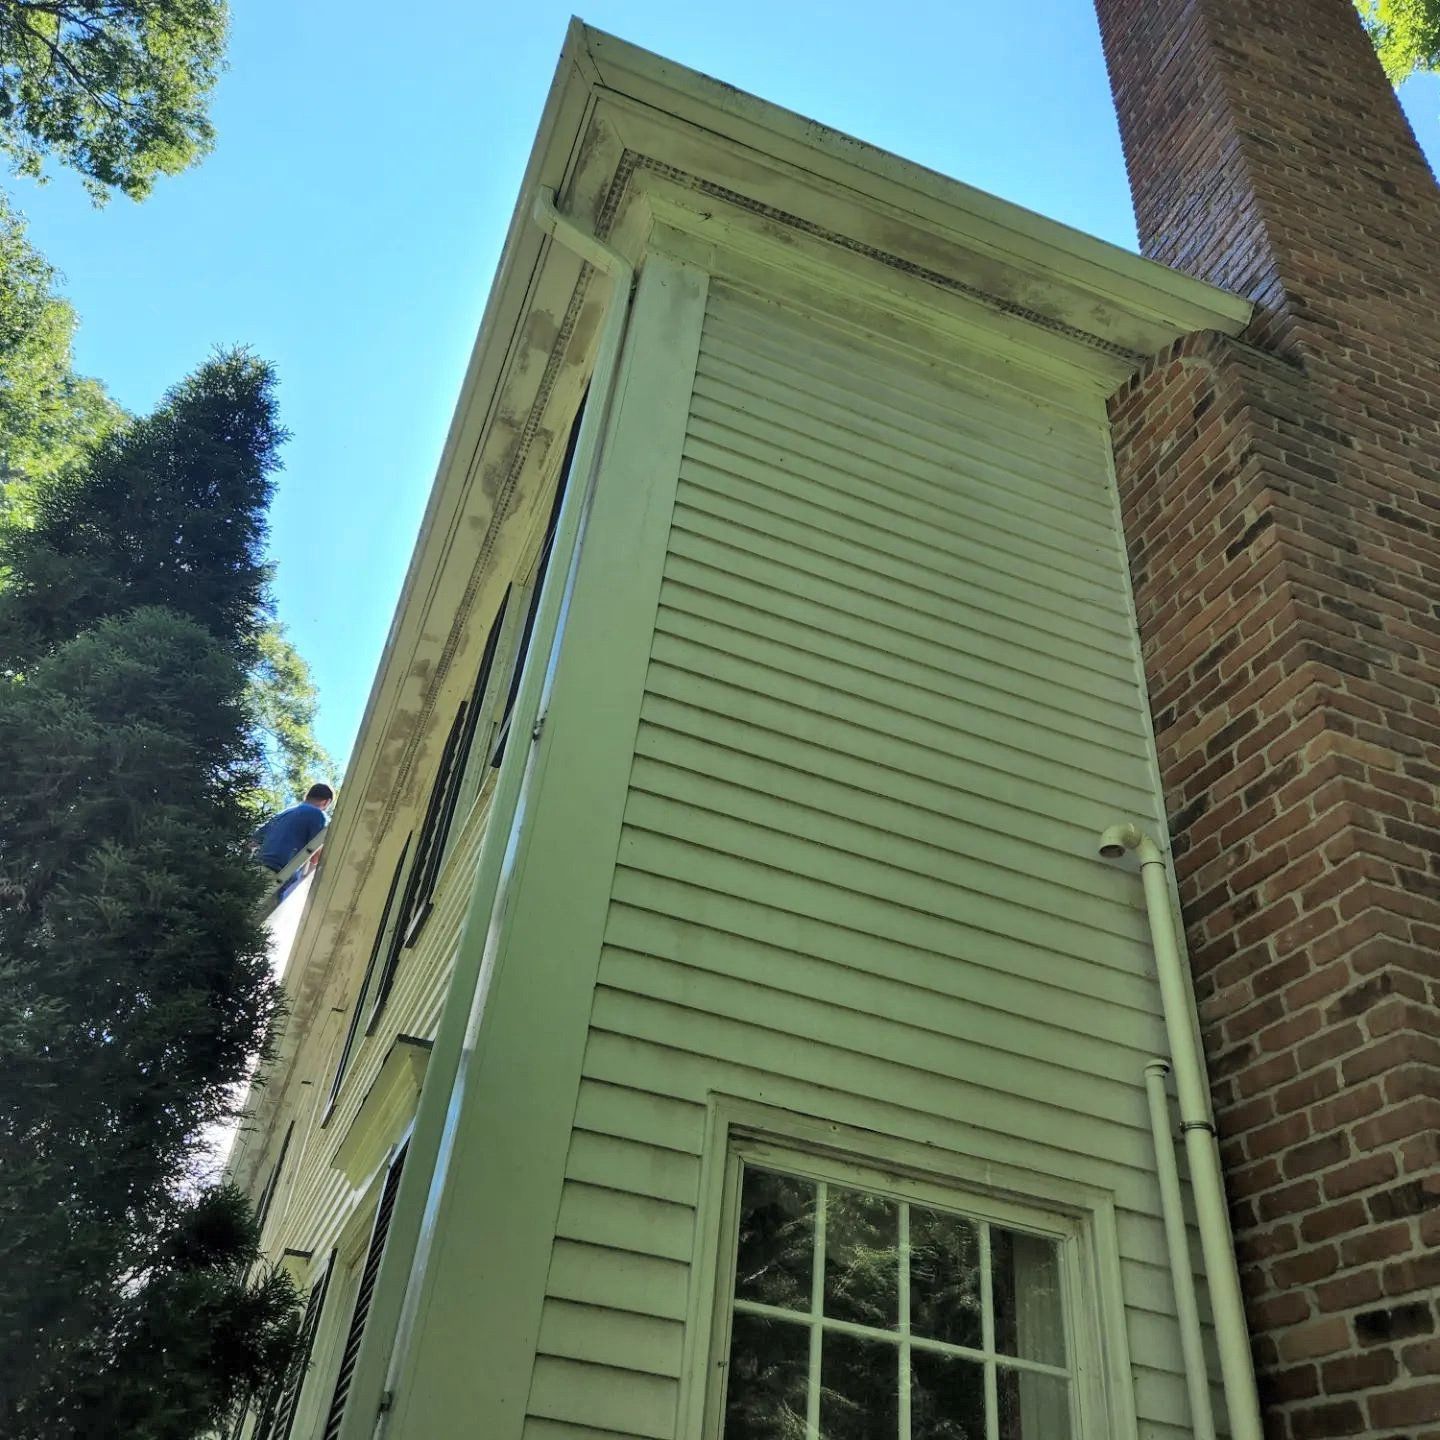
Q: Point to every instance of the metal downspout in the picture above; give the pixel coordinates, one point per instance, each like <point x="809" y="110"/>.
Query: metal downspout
<point x="1187" y="1311"/>
<point x="436" y="1118"/>
<point x="1237" y="1370"/>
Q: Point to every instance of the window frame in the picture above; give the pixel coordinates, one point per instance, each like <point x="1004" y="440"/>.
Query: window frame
<point x="500" y="735"/>
<point x="982" y="1212"/>
<point x="498" y="663"/>
<point x="381" y="945"/>
<point x="502" y="665"/>
<point x="350" y="1335"/>
<point x="420" y="884"/>
<point x="1082" y="1216"/>
<point x="280" y="1409"/>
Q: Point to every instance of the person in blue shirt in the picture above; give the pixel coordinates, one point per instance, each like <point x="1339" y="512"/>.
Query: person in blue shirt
<point x="281" y="838"/>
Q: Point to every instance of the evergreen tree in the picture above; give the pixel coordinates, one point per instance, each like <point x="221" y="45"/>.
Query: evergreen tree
<point x="134" y="988"/>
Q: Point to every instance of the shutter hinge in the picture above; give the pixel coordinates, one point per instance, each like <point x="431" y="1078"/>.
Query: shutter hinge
<point x="538" y="727"/>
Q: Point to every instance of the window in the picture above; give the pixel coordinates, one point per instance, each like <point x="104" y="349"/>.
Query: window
<point x="857" y="1314"/>
<point x="532" y="605"/>
<point x="420" y="888"/>
<point x="267" y="1196"/>
<point x="491" y="683"/>
<point x="277" y="1414"/>
<point x="368" y="1275"/>
<point x="478" y="733"/>
<point x="382" y="945"/>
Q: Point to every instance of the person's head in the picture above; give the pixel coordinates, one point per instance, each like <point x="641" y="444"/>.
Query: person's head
<point x="319" y="796"/>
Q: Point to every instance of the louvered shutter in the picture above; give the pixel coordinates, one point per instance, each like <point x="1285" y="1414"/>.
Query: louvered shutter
<point x="278" y="1414"/>
<point x="363" y="1295"/>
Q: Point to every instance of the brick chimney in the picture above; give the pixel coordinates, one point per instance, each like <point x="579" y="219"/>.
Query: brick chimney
<point x="1281" y="497"/>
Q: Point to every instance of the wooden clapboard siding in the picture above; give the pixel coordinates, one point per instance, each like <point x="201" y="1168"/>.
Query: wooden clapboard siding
<point x="893" y="697"/>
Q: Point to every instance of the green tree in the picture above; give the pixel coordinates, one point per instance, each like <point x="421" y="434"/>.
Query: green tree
<point x="283" y="705"/>
<point x="49" y="416"/>
<point x="134" y="986"/>
<point x="191" y="1315"/>
<point x="117" y="89"/>
<point x="1406" y="34"/>
<point x="169" y="511"/>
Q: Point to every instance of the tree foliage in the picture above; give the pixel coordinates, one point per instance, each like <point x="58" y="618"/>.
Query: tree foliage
<point x="192" y="1315"/>
<point x="117" y="89"/>
<point x="134" y="986"/>
<point x="1406" y="34"/>
<point x="169" y="511"/>
<point x="49" y="416"/>
<point x="283" y="704"/>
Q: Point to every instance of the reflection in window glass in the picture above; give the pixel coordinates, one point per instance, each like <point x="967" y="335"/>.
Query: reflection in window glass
<point x="769" y="1367"/>
<point x="862" y="1258"/>
<point x="1033" y="1406"/>
<point x="1028" y="1314"/>
<point x="945" y="1280"/>
<point x="859" y="1388"/>
<point x="859" y="1316"/>
<point x="777" y="1230"/>
<point x="947" y="1398"/>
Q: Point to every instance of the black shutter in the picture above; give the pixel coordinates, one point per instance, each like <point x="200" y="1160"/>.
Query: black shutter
<point x="363" y="1296"/>
<point x="262" y="1210"/>
<point x="358" y="1008"/>
<point x="502" y="733"/>
<point x="415" y="907"/>
<point x="278" y="1413"/>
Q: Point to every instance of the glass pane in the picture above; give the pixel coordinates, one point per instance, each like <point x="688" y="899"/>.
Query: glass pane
<point x="765" y="1386"/>
<point x="859" y="1388"/>
<point x="777" y="1240"/>
<point x="1028" y="1313"/>
<point x="862" y="1248"/>
<point x="1033" y="1407"/>
<point x="947" y="1397"/>
<point x="945" y="1301"/>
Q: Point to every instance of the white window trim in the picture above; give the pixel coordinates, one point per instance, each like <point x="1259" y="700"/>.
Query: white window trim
<point x="1081" y="1217"/>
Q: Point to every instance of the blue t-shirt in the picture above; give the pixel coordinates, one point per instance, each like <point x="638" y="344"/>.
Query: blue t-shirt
<point x="288" y="833"/>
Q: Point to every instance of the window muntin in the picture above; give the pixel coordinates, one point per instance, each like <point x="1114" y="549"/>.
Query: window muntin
<point x="857" y="1314"/>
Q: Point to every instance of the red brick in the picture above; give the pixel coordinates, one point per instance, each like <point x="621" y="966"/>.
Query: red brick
<point x="1407" y="1277"/>
<point x="1358" y="1372"/>
<point x="1320" y="1422"/>
<point x="1315" y="1155"/>
<point x="1334" y="1220"/>
<point x="1345" y="1292"/>
<point x="1413" y="1405"/>
<point x="1376" y="1244"/>
<point x="1362" y="1174"/>
<point x="1422" y="1359"/>
<point x="1315" y="1338"/>
<point x="1285" y="557"/>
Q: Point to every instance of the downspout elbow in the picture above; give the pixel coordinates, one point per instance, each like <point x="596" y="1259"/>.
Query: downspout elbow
<point x="588" y="247"/>
<point x="1119" y="839"/>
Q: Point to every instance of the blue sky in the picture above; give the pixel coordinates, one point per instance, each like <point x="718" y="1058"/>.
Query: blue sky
<point x="349" y="222"/>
